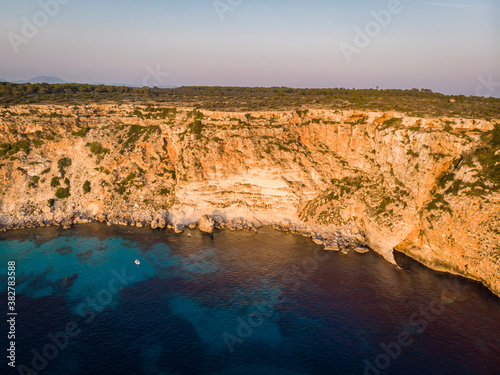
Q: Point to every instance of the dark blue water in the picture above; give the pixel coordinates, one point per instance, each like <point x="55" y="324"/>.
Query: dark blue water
<point x="240" y="303"/>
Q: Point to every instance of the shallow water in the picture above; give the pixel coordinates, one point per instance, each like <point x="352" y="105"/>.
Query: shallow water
<point x="240" y="303"/>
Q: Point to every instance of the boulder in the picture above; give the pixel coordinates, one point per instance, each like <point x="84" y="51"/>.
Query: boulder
<point x="179" y="228"/>
<point x="206" y="224"/>
<point x="162" y="223"/>
<point x="285" y="224"/>
<point x="333" y="246"/>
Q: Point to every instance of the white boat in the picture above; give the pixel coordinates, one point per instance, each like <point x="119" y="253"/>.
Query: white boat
<point x="137" y="262"/>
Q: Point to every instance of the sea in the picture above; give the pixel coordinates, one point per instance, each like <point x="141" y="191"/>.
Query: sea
<point x="75" y="302"/>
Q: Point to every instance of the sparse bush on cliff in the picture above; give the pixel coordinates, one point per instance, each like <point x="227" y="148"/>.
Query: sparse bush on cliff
<point x="348" y="184"/>
<point x="63" y="193"/>
<point x="395" y="121"/>
<point x="196" y="127"/>
<point x="361" y="121"/>
<point x="4" y="149"/>
<point x="489" y="157"/>
<point x="34" y="182"/>
<point x="55" y="182"/>
<point x="86" y="187"/>
<point x="158" y="113"/>
<point x="137" y="113"/>
<point x="126" y="183"/>
<point x="51" y="202"/>
<point x="382" y="207"/>
<point x="164" y="191"/>
<point x="97" y="149"/>
<point x="411" y="153"/>
<point x="134" y="134"/>
<point x="82" y="132"/>
<point x="439" y="203"/>
<point x="12" y="149"/>
<point x="37" y="143"/>
<point x="62" y="164"/>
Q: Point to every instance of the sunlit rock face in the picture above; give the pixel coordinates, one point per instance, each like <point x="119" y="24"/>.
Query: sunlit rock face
<point x="349" y="179"/>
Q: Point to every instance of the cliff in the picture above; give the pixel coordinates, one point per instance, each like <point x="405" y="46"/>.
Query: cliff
<point x="352" y="180"/>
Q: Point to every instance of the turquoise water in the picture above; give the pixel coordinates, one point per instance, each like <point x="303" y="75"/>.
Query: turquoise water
<point x="240" y="303"/>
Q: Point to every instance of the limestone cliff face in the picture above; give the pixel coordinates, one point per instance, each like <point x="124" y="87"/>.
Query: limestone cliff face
<point x="349" y="179"/>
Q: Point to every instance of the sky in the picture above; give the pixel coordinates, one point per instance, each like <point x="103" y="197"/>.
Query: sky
<point x="447" y="46"/>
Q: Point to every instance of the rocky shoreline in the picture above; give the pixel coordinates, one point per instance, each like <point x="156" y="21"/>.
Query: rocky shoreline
<point x="344" y="240"/>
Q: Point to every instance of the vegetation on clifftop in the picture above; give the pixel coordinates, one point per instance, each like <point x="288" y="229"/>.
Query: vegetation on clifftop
<point x="418" y="102"/>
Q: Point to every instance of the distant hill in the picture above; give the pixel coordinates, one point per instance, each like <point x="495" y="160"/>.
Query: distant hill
<point x="39" y="79"/>
<point x="57" y="80"/>
<point x="43" y="79"/>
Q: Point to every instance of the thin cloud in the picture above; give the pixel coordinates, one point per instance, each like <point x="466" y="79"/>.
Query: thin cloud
<point x="462" y="6"/>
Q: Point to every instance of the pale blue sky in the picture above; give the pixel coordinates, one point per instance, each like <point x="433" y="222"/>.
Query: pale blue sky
<point x="443" y="45"/>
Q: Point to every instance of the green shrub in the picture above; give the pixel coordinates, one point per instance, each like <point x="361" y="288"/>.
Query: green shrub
<point x="97" y="149"/>
<point x="86" y="187"/>
<point x="63" y="163"/>
<point x="138" y="113"/>
<point x="134" y="134"/>
<point x="164" y="191"/>
<point x="12" y="149"/>
<point x="196" y="127"/>
<point x="54" y="182"/>
<point x="4" y="148"/>
<point x="411" y="153"/>
<point x="82" y="132"/>
<point x="63" y="193"/>
<point x="392" y="122"/>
